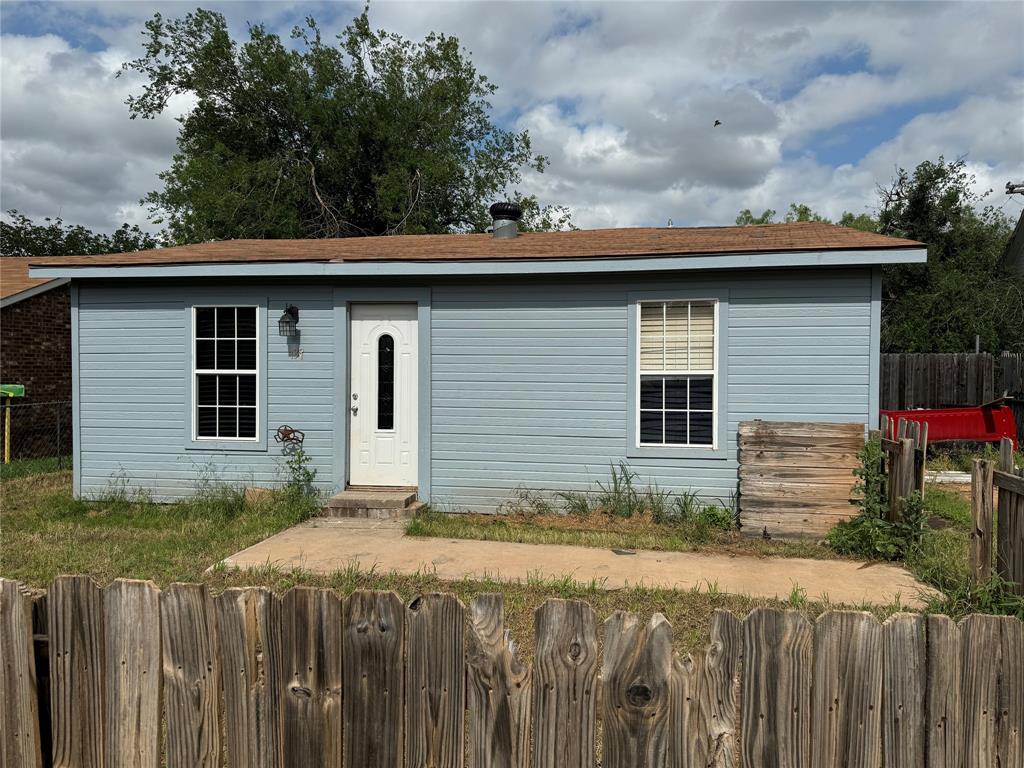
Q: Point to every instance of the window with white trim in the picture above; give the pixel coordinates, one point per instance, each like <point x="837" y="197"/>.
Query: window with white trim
<point x="225" y="372"/>
<point x="677" y="369"/>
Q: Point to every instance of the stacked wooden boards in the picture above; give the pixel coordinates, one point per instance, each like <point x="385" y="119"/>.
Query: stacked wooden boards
<point x="796" y="478"/>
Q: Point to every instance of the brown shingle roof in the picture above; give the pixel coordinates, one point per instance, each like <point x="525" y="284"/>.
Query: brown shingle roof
<point x="14" y="277"/>
<point x="590" y="243"/>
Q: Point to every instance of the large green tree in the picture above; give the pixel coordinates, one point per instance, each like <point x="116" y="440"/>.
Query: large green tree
<point x="964" y="290"/>
<point x="373" y="135"/>
<point x="21" y="236"/>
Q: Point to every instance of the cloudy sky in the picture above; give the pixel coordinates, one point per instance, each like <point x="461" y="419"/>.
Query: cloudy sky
<point x="819" y="102"/>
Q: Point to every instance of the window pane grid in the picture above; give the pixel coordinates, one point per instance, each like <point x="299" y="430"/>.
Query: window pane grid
<point x="225" y="372"/>
<point x="676" y="359"/>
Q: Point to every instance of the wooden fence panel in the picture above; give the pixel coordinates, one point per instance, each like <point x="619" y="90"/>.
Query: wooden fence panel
<point x="564" y="680"/>
<point x="19" y="713"/>
<point x="847" y="690"/>
<point x="311" y="652"/>
<point x="373" y="694"/>
<point x="796" y="478"/>
<point x="498" y="690"/>
<point x="435" y="678"/>
<point x="75" y="606"/>
<point x="249" y="623"/>
<point x="944" y="732"/>
<point x="635" y="681"/>
<point x="133" y="670"/>
<point x="776" y="698"/>
<point x="191" y="677"/>
<point x="308" y="679"/>
<point x="705" y="700"/>
<point x="936" y="380"/>
<point x="904" y="651"/>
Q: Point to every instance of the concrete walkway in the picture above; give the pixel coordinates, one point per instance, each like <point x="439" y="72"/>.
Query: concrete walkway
<point x="325" y="545"/>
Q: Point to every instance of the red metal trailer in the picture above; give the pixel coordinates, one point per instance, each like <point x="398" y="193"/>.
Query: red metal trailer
<point x="984" y="423"/>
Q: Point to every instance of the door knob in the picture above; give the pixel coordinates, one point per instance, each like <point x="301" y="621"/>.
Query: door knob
<point x="354" y="409"/>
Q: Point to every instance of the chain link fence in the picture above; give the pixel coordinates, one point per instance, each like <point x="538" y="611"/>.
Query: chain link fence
<point x="37" y="437"/>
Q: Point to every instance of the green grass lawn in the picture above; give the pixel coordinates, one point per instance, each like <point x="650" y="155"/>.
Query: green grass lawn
<point x="44" y="531"/>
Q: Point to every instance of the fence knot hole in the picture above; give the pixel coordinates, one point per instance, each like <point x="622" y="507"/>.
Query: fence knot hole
<point x="639" y="694"/>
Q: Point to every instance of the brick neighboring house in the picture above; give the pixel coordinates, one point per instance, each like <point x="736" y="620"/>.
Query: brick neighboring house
<point x="35" y="350"/>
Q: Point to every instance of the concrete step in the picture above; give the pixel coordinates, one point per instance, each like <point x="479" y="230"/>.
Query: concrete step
<point x="380" y="505"/>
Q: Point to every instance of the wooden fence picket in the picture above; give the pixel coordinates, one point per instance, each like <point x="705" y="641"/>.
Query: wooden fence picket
<point x="705" y="688"/>
<point x="980" y="554"/>
<point x="191" y="677"/>
<point x="1010" y="720"/>
<point x="846" y="703"/>
<point x="904" y="650"/>
<point x="373" y="696"/>
<point x="635" y="691"/>
<point x="19" y="713"/>
<point x="498" y="690"/>
<point x="944" y="733"/>
<point x="311" y="652"/>
<point x="249" y="625"/>
<point x="776" y="699"/>
<point x="133" y="674"/>
<point x="991" y="711"/>
<point x="435" y="678"/>
<point x="75" y="605"/>
<point x="564" y="685"/>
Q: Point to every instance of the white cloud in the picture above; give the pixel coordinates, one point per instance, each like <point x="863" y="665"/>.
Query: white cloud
<point x="621" y="96"/>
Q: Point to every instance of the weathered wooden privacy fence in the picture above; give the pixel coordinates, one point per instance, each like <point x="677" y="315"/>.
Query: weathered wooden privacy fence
<point x="1007" y="525"/>
<point x="310" y="679"/>
<point x="905" y="445"/>
<point x="912" y="380"/>
<point x="796" y="478"/>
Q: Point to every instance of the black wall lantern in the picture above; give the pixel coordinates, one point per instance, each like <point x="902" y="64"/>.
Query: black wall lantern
<point x="288" y="324"/>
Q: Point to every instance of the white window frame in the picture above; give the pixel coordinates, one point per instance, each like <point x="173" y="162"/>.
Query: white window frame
<point x="638" y="373"/>
<point x="196" y="371"/>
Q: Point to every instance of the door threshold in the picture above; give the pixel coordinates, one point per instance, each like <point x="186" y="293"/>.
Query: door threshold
<point x="396" y="488"/>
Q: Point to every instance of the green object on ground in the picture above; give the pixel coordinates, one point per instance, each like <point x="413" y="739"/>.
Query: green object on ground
<point x="12" y="390"/>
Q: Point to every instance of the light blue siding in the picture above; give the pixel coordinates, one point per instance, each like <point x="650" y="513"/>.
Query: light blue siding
<point x="134" y="401"/>
<point x="530" y="381"/>
<point x="526" y="383"/>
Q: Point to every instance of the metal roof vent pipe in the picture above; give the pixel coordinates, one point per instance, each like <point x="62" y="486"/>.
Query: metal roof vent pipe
<point x="506" y="216"/>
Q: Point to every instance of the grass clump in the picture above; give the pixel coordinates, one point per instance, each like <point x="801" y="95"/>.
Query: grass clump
<point x="27" y="467"/>
<point x="959" y="457"/>
<point x="618" y="514"/>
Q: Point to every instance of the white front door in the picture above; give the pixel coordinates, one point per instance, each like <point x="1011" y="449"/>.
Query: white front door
<point x="383" y="393"/>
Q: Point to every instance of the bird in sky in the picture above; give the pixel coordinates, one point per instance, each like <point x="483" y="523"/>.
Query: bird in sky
<point x="717" y="123"/>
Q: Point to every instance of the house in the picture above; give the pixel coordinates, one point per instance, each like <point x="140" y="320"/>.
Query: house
<point x="35" y="351"/>
<point x="467" y="366"/>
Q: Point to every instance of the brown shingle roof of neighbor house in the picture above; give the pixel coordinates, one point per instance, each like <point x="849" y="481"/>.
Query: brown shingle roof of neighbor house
<point x="588" y="243"/>
<point x="14" y="277"/>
